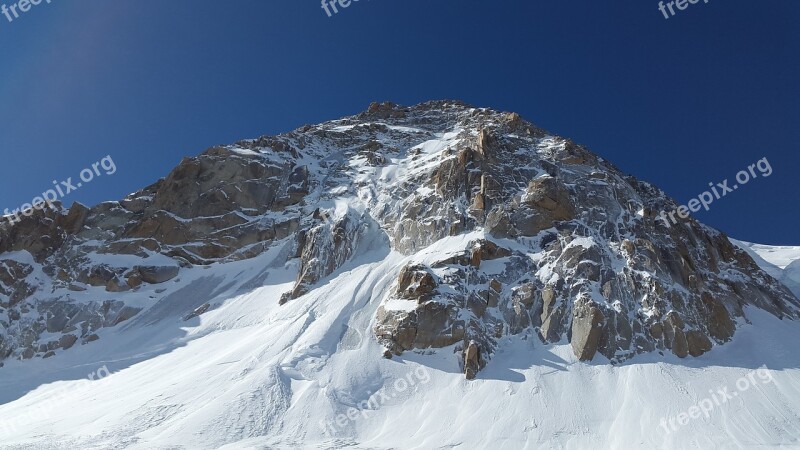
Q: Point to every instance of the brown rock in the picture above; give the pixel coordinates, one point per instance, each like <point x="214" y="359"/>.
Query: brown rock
<point x="97" y="276"/>
<point x="494" y="293"/>
<point x="657" y="331"/>
<point x="552" y="315"/>
<point x="156" y="274"/>
<point x="720" y="325"/>
<point x="471" y="360"/>
<point x="487" y="143"/>
<point x="479" y="202"/>
<point x="525" y="294"/>
<point x="628" y="247"/>
<point x="436" y="326"/>
<point x="698" y="343"/>
<point x="674" y="337"/>
<point x="486" y="250"/>
<point x="116" y="285"/>
<point x="67" y="341"/>
<point x="587" y="328"/>
<point x="475" y="259"/>
<point x="134" y="280"/>
<point x="415" y="282"/>
<point x="74" y="220"/>
<point x="547" y="194"/>
<point x="679" y="345"/>
<point x="617" y="336"/>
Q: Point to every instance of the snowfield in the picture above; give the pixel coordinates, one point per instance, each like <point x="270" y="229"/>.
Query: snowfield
<point x="250" y="374"/>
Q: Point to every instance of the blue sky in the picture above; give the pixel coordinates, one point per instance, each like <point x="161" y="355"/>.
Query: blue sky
<point x="679" y="102"/>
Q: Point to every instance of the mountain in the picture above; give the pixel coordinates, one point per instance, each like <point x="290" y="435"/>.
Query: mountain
<point x="780" y="262"/>
<point x="429" y="276"/>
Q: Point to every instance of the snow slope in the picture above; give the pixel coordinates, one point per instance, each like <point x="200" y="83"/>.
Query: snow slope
<point x="250" y="374"/>
<point x="781" y="262"/>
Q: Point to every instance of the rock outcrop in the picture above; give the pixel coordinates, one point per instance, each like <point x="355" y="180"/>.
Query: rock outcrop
<point x="507" y="231"/>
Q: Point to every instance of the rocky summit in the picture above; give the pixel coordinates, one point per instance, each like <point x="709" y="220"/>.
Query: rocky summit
<point x="505" y="230"/>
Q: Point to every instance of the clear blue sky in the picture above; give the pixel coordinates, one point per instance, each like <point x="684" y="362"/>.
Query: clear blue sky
<point x="679" y="102"/>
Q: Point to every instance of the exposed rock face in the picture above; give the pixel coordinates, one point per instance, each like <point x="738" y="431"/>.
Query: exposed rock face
<point x="545" y="201"/>
<point x="14" y="287"/>
<point x="227" y="204"/>
<point x="428" y="325"/>
<point x="415" y="282"/>
<point x="508" y="231"/>
<point x="720" y="325"/>
<point x="698" y="343"/>
<point x="324" y="249"/>
<point x="484" y="250"/>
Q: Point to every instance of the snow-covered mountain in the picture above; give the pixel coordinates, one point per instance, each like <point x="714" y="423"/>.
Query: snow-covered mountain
<point x="781" y="262"/>
<point x="436" y="276"/>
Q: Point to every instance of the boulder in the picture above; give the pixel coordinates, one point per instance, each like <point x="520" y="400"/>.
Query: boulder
<point x="67" y="341"/>
<point x="157" y="274"/>
<point x="74" y="220"/>
<point x="471" y="360"/>
<point x="587" y="328"/>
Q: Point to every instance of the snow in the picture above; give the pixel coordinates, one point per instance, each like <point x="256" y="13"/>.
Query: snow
<point x="309" y="374"/>
<point x="780" y="256"/>
<point x="406" y="129"/>
<point x="781" y="262"/>
<point x="244" y="151"/>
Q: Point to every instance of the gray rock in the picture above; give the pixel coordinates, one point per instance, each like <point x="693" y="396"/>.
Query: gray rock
<point x="471" y="360"/>
<point x="157" y="274"/>
<point x="587" y="328"/>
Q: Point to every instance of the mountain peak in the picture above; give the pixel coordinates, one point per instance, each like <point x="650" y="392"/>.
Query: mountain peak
<point x="505" y="231"/>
